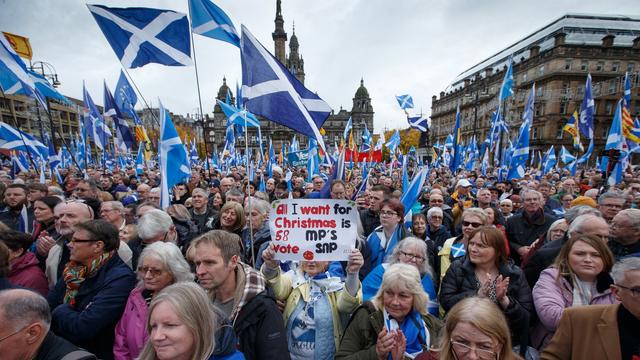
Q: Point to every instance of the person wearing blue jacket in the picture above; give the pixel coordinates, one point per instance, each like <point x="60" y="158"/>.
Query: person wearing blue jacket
<point x="89" y="299"/>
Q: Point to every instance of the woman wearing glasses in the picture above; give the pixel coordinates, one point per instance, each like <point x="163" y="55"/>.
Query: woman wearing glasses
<point x="579" y="276"/>
<point x="486" y="271"/>
<point x="456" y="247"/>
<point x="161" y="264"/>
<point x="385" y="237"/>
<point x="476" y="329"/>
<point x="412" y="251"/>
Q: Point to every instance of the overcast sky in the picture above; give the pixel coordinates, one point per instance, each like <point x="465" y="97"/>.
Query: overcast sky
<point x="401" y="46"/>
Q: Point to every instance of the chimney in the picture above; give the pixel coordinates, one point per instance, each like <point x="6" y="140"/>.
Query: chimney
<point x="467" y="81"/>
<point x="560" y="38"/>
<point x="488" y="72"/>
<point x="534" y="51"/>
<point x="441" y="94"/>
<point x="607" y="41"/>
<point x="636" y="43"/>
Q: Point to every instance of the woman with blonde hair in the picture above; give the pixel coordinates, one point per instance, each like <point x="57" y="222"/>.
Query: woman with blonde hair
<point x="183" y="325"/>
<point x="395" y="323"/>
<point x="232" y="218"/>
<point x="578" y="277"/>
<point x="476" y="325"/>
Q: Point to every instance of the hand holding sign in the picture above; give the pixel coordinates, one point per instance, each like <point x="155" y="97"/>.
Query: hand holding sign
<point x="268" y="256"/>
<point x="355" y="261"/>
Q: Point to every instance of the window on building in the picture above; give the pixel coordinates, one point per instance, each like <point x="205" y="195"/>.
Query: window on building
<point x="615" y="66"/>
<point x="630" y="67"/>
<point x="525" y="77"/>
<point x="605" y="132"/>
<point x="253" y="138"/>
<point x="539" y="109"/>
<point x="534" y="135"/>
<point x="584" y="65"/>
<point x="612" y="86"/>
<point x="563" y="107"/>
<point x="559" y="130"/>
<point x="539" y="91"/>
<point x="608" y="107"/>
<point x="567" y="64"/>
<point x="600" y="66"/>
<point x="541" y="70"/>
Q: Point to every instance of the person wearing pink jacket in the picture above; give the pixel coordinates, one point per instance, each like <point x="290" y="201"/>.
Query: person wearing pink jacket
<point x="160" y="265"/>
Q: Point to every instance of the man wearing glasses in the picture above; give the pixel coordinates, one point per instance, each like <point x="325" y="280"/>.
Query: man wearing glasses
<point x="610" y="204"/>
<point x="603" y="331"/>
<point x="26" y="334"/>
<point x="625" y="234"/>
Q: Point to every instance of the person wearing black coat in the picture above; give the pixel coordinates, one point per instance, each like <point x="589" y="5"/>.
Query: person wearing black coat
<point x="485" y="271"/>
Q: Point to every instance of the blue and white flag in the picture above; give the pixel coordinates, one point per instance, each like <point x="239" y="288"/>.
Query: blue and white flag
<point x="209" y="20"/>
<point x="55" y="162"/>
<point x="140" y="36"/>
<point x="366" y="138"/>
<point x="565" y="156"/>
<point x="405" y="101"/>
<point x="419" y="123"/>
<point x="456" y="156"/>
<point x="124" y="137"/>
<point x="345" y="133"/>
<point x="410" y="195"/>
<point x="14" y="68"/>
<point x="393" y="143"/>
<point x="140" y="160"/>
<point x="506" y="89"/>
<point x="238" y="117"/>
<point x="270" y="90"/>
<point x="20" y="161"/>
<point x="521" y="152"/>
<point x="14" y="139"/>
<point x="126" y="98"/>
<point x="549" y="161"/>
<point x="587" y="110"/>
<point x="93" y="122"/>
<point x="585" y="157"/>
<point x="23" y="221"/>
<point x="174" y="163"/>
<point x="627" y="90"/>
<point x="313" y="165"/>
<point x="193" y="153"/>
<point x="46" y="89"/>
<point x="615" y="140"/>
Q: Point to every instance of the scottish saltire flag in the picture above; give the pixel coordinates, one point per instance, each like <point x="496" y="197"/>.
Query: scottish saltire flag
<point x="174" y="163"/>
<point x="124" y="137"/>
<point x="209" y="20"/>
<point x="627" y="90"/>
<point x="455" y="156"/>
<point x="238" y="117"/>
<point x="565" y="156"/>
<point x="14" y="68"/>
<point x="229" y="143"/>
<point x="23" y="221"/>
<point x="270" y="90"/>
<point x="347" y="128"/>
<point x="126" y="98"/>
<point x="405" y="173"/>
<point x="394" y="142"/>
<point x="92" y="124"/>
<point x="472" y="154"/>
<point x="571" y="127"/>
<point x="587" y="110"/>
<point x="9" y="83"/>
<point x="629" y="130"/>
<point x="20" y="161"/>
<point x="366" y="137"/>
<point x="411" y="194"/>
<point x="405" y="101"/>
<point x="418" y="122"/>
<point x="585" y="157"/>
<point x="313" y="165"/>
<point x="506" y="89"/>
<point x="337" y="173"/>
<point x="615" y="140"/>
<point x="46" y="89"/>
<point x="55" y="162"/>
<point x="549" y="161"/>
<point x="193" y="153"/>
<point x="520" y="154"/>
<point x="140" y="36"/>
<point x="14" y="139"/>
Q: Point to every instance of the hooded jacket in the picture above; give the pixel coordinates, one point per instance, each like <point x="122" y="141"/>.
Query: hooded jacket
<point x="26" y="272"/>
<point x="131" y="331"/>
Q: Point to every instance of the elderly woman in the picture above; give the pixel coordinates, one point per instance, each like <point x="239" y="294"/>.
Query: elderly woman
<point x="154" y="225"/>
<point x="476" y="329"/>
<point x="579" y="276"/>
<point x="395" y="324"/>
<point x="436" y="231"/>
<point x="232" y="218"/>
<point x="557" y="230"/>
<point x="186" y="228"/>
<point x="88" y="300"/>
<point x="256" y="234"/>
<point x="160" y="265"/>
<point x="412" y="251"/>
<point x="506" y="208"/>
<point x="314" y="303"/>
<point x="456" y="247"/>
<point x="183" y="325"/>
<point x="487" y="272"/>
<point x="385" y="237"/>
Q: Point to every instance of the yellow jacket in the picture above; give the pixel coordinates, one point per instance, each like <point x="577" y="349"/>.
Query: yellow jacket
<point x="341" y="301"/>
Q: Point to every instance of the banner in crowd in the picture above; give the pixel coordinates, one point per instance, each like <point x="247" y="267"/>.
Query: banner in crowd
<point x="313" y="229"/>
<point x="298" y="158"/>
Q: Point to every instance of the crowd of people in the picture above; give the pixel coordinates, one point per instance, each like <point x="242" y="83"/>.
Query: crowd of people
<point x="541" y="267"/>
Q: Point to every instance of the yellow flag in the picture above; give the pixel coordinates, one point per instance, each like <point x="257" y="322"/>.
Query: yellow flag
<point x="20" y="44"/>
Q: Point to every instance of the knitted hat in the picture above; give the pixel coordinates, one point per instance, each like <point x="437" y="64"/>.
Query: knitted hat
<point x="584" y="200"/>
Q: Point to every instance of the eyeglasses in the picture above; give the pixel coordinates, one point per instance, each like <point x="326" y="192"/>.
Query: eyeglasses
<point x="473" y="224"/>
<point x="635" y="291"/>
<point x="74" y="240"/>
<point x="13" y="333"/>
<point x="416" y="258"/>
<point x="615" y="206"/>
<point x="143" y="270"/>
<point x="464" y="349"/>
<point x="387" y="213"/>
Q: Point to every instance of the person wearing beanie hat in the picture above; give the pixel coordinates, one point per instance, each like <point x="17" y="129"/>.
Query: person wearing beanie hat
<point x="584" y="200"/>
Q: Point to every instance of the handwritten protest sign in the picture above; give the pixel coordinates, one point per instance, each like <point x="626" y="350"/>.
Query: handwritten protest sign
<point x="313" y="229"/>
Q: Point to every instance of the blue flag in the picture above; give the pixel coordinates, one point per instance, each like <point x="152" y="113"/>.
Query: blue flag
<point x="456" y="156"/>
<point x="140" y="36"/>
<point x="93" y="123"/>
<point x="46" y="89"/>
<point x="345" y="133"/>
<point x="411" y="194"/>
<point x="585" y="157"/>
<point x="14" y="69"/>
<point x="565" y="156"/>
<point x="627" y="90"/>
<point x="418" y="122"/>
<point x="587" y="110"/>
<point x="270" y="90"/>
<point x="126" y="98"/>
<point x="615" y="140"/>
<point x="238" y="117"/>
<point x="124" y="137"/>
<point x="405" y="101"/>
<point x="174" y="163"/>
<point x="393" y="143"/>
<point x="209" y="20"/>
<point x="521" y="152"/>
<point x="14" y="139"/>
<point x="549" y="161"/>
<point x="506" y="89"/>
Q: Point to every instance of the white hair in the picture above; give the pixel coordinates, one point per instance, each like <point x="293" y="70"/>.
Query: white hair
<point x="579" y="223"/>
<point x="171" y="258"/>
<point x="433" y="210"/>
<point x="152" y="223"/>
<point x="623" y="266"/>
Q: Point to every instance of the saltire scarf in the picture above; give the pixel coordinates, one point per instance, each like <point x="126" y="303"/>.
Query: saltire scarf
<point x="415" y="332"/>
<point x="75" y="274"/>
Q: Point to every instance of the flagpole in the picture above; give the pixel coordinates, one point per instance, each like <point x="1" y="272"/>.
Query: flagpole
<point x="249" y="204"/>
<point x="53" y="136"/>
<point x="15" y="123"/>
<point x="153" y="115"/>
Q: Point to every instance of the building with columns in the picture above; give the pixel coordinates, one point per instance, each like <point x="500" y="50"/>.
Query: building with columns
<point x="361" y="111"/>
<point x="557" y="58"/>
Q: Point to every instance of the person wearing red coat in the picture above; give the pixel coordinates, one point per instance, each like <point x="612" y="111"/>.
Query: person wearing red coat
<point x="24" y="266"/>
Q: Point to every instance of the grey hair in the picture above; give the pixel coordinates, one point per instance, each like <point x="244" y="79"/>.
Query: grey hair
<point x="524" y="193"/>
<point x="477" y="212"/>
<point x="155" y="190"/>
<point x="55" y="190"/>
<point x="554" y="225"/>
<point x="21" y="310"/>
<point x="202" y="191"/>
<point x="633" y="215"/>
<point x="579" y="222"/>
<point x="623" y="266"/>
<point x="171" y="258"/>
<point x="425" y="267"/>
<point x="575" y="211"/>
<point x="404" y="277"/>
<point x="433" y="210"/>
<point x="262" y="206"/>
<point x="152" y="223"/>
<point x="116" y="205"/>
<point x="611" y="195"/>
<point x="234" y="192"/>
